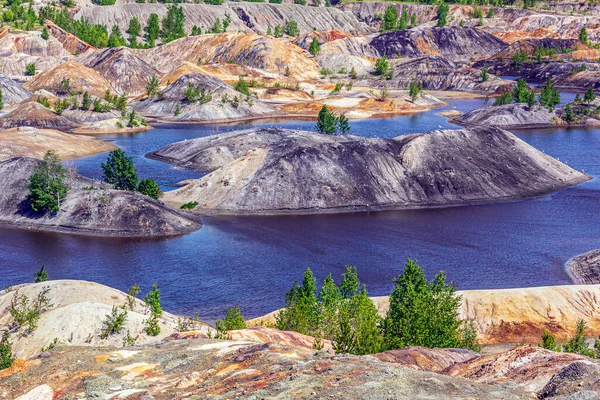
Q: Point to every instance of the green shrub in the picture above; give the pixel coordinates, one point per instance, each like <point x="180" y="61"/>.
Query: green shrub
<point x="189" y="206"/>
<point x="150" y="188"/>
<point x="30" y="69"/>
<point x="114" y="322"/>
<point x="242" y="87"/>
<point x="6" y="356"/>
<point x="233" y="321"/>
<point x="27" y="312"/>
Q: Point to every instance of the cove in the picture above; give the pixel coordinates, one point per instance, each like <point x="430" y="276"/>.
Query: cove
<point x="252" y="261"/>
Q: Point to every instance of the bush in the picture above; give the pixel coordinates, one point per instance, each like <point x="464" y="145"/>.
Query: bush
<point x="30" y="69"/>
<point x="47" y="185"/>
<point x="549" y="96"/>
<point x="114" y="322"/>
<point x="422" y="313"/>
<point x="315" y="47"/>
<point x="549" y="341"/>
<point x="485" y="75"/>
<point x="150" y="188"/>
<point x="242" y="87"/>
<point x="26" y="312"/>
<point x="442" y="14"/>
<point x="233" y="321"/>
<point x="6" y="356"/>
<point x="504" y="98"/>
<point x="189" y="206"/>
<point x="40" y="276"/>
<point x="414" y="90"/>
<point x="152" y="300"/>
<point x="120" y="171"/>
<point x="329" y="123"/>
<point x="291" y="27"/>
<point x="153" y="86"/>
<point x="43" y="100"/>
<point x="382" y="66"/>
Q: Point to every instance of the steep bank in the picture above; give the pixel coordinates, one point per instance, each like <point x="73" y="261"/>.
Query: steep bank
<point x="91" y="208"/>
<point x="277" y="171"/>
<point x="32" y="142"/>
<point x="586" y="267"/>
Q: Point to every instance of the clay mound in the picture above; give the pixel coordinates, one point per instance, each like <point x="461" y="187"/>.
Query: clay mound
<point x="322" y="36"/>
<point x="87" y="303"/>
<point x="454" y="43"/>
<point x="32" y="44"/>
<point x="32" y="142"/>
<point x="277" y="171"/>
<point x="82" y="78"/>
<point x="425" y="359"/>
<point x="91" y="208"/>
<point x="12" y="92"/>
<point x="36" y="115"/>
<point x="251" y="50"/>
<point x="510" y="116"/>
<point x="124" y="71"/>
<point x="172" y="98"/>
<point x="228" y="73"/>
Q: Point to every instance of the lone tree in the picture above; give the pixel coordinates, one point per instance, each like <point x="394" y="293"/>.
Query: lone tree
<point x="589" y="95"/>
<point x="330" y="124"/>
<point x="583" y="36"/>
<point x="549" y="96"/>
<point x="423" y="313"/>
<point x="41" y="275"/>
<point x="47" y="185"/>
<point x="120" y="171"/>
<point x="390" y="19"/>
<point x="315" y="47"/>
<point x="150" y="188"/>
<point x="153" y="86"/>
<point x="1" y="100"/>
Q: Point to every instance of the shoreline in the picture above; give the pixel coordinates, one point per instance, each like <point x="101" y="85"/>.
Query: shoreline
<point x="584" y="269"/>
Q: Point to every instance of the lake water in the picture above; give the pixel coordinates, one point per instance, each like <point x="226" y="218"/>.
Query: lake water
<point x="252" y="261"/>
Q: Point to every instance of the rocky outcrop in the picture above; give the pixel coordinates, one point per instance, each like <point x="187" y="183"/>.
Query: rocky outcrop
<point x="81" y="79"/>
<point x="510" y="116"/>
<point x="454" y="43"/>
<point x="33" y="142"/>
<point x="251" y="50"/>
<point x="91" y="208"/>
<point x="560" y="46"/>
<point x="276" y="171"/>
<point x="35" y="115"/>
<point x="323" y="37"/>
<point x="172" y="100"/>
<point x="579" y="379"/>
<point x="12" y="92"/>
<point x="125" y="72"/>
<point x="586" y="267"/>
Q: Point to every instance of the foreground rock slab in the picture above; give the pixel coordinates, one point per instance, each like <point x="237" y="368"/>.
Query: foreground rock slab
<point x="91" y="207"/>
<point x="277" y="171"/>
<point x="586" y="267"/>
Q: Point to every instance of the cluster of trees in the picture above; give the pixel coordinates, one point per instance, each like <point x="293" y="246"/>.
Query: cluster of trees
<point x="50" y="181"/>
<point x="391" y="22"/>
<point x="329" y="123"/>
<point x="120" y="171"/>
<point x="16" y="14"/>
<point x="421" y="313"/>
<point x="549" y="97"/>
<point x="577" y="344"/>
<point x="290" y="29"/>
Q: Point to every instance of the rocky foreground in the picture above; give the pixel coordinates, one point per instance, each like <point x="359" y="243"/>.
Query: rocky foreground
<point x="260" y="362"/>
<point x="277" y="171"/>
<point x="91" y="207"/>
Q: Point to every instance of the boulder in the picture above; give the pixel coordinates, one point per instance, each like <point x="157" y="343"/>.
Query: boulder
<point x="510" y="116"/>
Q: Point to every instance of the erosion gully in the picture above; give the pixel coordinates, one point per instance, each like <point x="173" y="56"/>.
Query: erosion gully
<point x="253" y="261"/>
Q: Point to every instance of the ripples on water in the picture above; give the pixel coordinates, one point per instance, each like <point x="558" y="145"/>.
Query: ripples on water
<point x="252" y="261"/>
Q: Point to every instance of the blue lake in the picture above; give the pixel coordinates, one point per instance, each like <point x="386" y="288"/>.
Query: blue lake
<point x="252" y="261"/>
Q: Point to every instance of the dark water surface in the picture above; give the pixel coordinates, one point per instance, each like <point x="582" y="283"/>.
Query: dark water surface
<point x="254" y="260"/>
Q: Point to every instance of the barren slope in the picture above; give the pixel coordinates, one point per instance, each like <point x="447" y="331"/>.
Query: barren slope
<point x="274" y="171"/>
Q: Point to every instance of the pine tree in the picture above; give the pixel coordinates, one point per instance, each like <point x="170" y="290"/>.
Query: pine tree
<point x="569" y="115"/>
<point x="217" y="27"/>
<point x="41" y="275"/>
<point x="549" y="96"/>
<point x="153" y="86"/>
<point x="1" y="100"/>
<point x="442" y="14"/>
<point x="135" y="28"/>
<point x="589" y="96"/>
<point x="583" y="36"/>
<point x="150" y="188"/>
<point x="521" y="92"/>
<point x="116" y="38"/>
<point x="152" y="29"/>
<point x="173" y="23"/>
<point x="343" y="124"/>
<point x="86" y="103"/>
<point x="6" y="356"/>
<point x="120" y="171"/>
<point x="327" y="121"/>
<point x="315" y="47"/>
<point x="45" y="33"/>
<point x="390" y="18"/>
<point x="485" y="74"/>
<point x="422" y="313"/>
